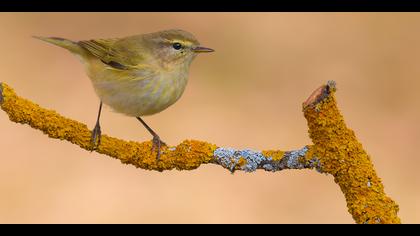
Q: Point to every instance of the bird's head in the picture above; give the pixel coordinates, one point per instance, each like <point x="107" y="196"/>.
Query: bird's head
<point x="174" y="47"/>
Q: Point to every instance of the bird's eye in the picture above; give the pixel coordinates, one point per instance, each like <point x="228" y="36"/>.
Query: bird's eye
<point x="177" y="46"/>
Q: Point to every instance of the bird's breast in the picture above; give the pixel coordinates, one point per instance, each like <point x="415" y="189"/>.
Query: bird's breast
<point x="136" y="96"/>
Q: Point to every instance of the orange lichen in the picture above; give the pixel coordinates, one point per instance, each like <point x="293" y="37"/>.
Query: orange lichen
<point x="186" y="156"/>
<point x="335" y="151"/>
<point x="341" y="155"/>
<point x="276" y="155"/>
<point x="242" y="161"/>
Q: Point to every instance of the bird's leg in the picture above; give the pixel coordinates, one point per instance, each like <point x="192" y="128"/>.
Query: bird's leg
<point x="96" y="132"/>
<point x="157" y="142"/>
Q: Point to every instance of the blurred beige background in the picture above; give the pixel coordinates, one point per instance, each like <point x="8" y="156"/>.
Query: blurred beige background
<point x="246" y="95"/>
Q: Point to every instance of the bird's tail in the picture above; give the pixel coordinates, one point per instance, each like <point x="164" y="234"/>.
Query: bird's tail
<point x="64" y="43"/>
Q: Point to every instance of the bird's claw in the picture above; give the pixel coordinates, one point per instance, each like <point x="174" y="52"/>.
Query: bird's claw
<point x="96" y="137"/>
<point x="157" y="144"/>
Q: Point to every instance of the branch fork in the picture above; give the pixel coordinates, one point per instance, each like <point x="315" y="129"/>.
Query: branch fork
<point x="335" y="150"/>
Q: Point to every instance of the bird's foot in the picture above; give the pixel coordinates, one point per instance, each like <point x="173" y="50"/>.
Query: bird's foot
<point x="96" y="136"/>
<point x="157" y="144"/>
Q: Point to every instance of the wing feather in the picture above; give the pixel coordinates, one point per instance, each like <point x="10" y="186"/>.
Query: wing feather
<point x="105" y="50"/>
<point x="118" y="56"/>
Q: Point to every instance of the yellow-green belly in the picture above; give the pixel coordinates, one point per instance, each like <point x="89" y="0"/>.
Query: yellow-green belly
<point x="138" y="96"/>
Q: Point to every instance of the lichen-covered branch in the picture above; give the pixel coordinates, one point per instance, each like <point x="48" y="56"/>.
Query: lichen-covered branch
<point x="335" y="151"/>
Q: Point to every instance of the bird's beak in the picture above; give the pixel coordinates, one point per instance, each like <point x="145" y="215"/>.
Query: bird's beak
<point x="202" y="49"/>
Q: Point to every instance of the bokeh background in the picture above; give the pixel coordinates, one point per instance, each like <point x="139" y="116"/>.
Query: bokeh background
<point x="248" y="94"/>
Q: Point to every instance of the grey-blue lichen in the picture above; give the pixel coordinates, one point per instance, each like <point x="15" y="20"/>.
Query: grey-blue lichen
<point x="315" y="163"/>
<point x="251" y="160"/>
<point x="269" y="167"/>
<point x="293" y="158"/>
<point x="247" y="160"/>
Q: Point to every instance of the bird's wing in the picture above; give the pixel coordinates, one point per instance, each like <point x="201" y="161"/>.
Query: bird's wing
<point x="122" y="55"/>
<point x="109" y="52"/>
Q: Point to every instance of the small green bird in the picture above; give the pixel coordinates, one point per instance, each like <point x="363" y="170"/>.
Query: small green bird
<point x="137" y="75"/>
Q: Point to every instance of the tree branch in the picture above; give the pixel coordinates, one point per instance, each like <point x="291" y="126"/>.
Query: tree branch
<point x="335" y="151"/>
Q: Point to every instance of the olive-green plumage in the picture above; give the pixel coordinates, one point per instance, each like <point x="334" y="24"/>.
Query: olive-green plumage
<point x="137" y="75"/>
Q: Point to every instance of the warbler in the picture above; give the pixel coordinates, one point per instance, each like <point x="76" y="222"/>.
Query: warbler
<point x="138" y="75"/>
